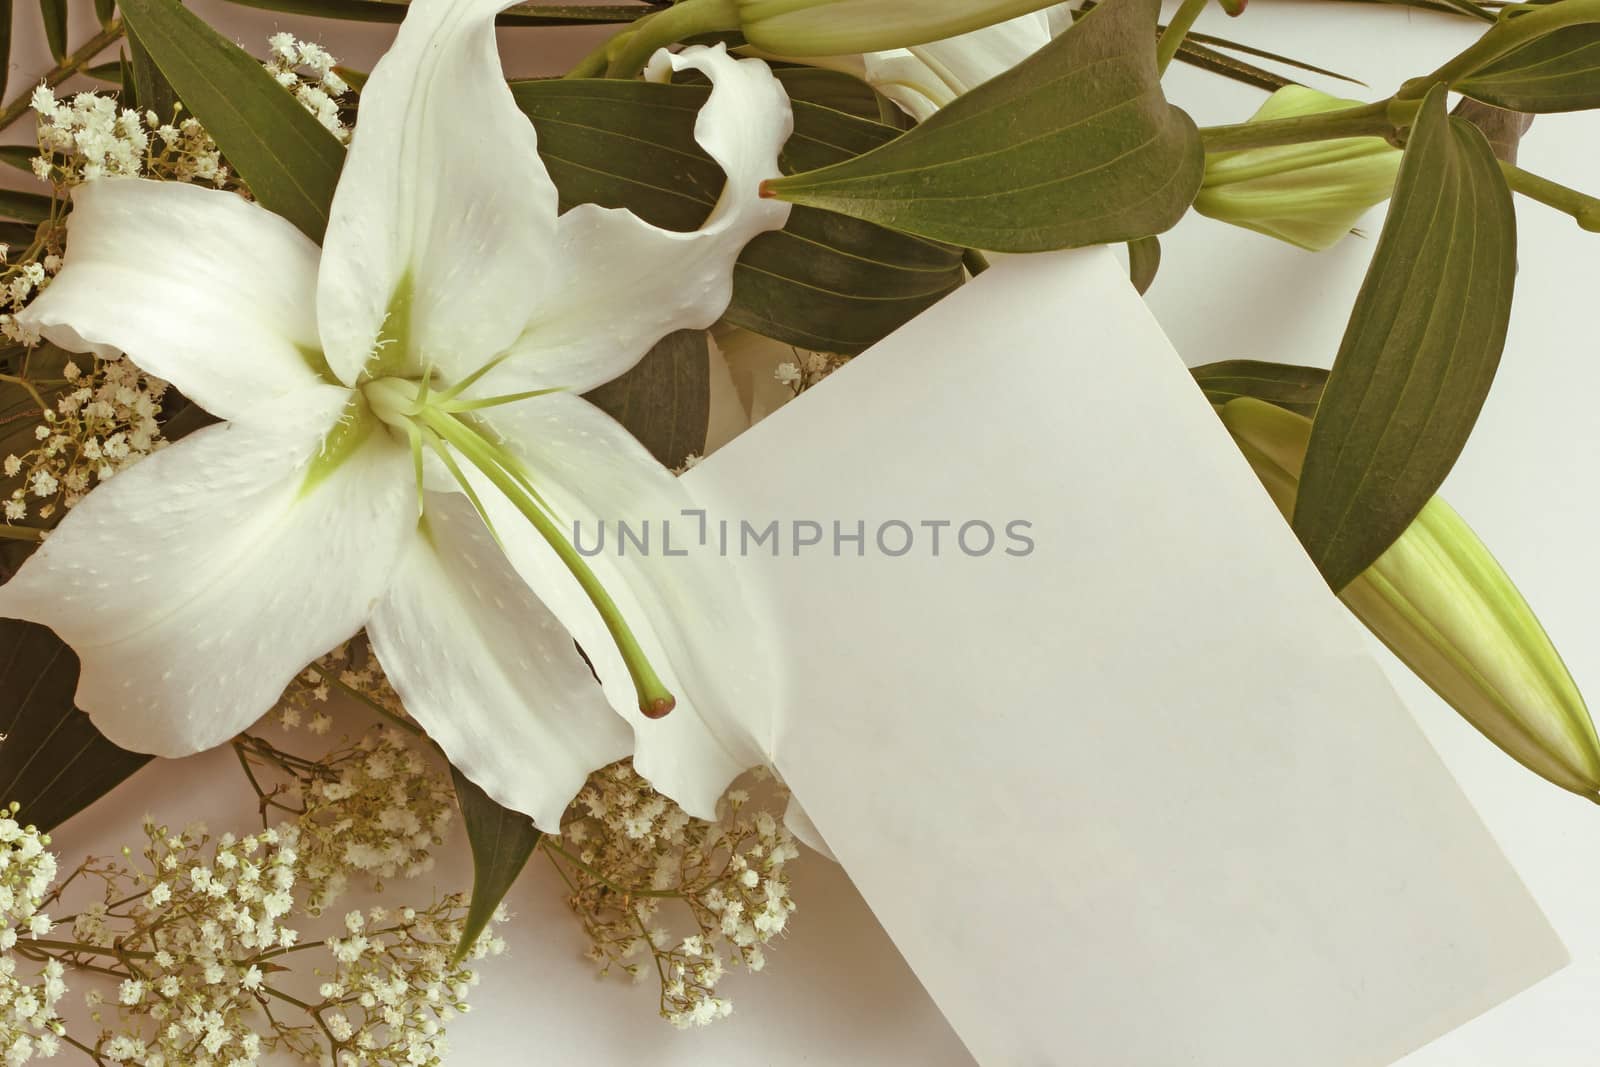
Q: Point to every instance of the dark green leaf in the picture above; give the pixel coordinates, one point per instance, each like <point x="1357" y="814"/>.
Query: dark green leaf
<point x="825" y="282"/>
<point x="31" y="208"/>
<point x="521" y="15"/>
<point x="5" y="44"/>
<point x="502" y="842"/>
<point x="53" y="761"/>
<point x="105" y="72"/>
<point x="289" y="160"/>
<point x="54" y="13"/>
<point x="1075" y="146"/>
<point x="1262" y="53"/>
<point x="151" y="90"/>
<point x="104" y="11"/>
<point x="1420" y="350"/>
<point x="1144" y="259"/>
<point x="665" y="401"/>
<point x="1557" y="72"/>
<point x="831" y="88"/>
<point x="20" y="156"/>
<point x="1287" y="385"/>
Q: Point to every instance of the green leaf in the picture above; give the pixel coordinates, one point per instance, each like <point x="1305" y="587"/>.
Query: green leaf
<point x="105" y="11"/>
<point x="54" y="13"/>
<point x="31" y="208"/>
<point x="521" y="15"/>
<point x="1075" y="146"/>
<point x="502" y="841"/>
<point x="1420" y="350"/>
<point x="1287" y="385"/>
<point x="53" y="761"/>
<point x="5" y="44"/>
<point x="289" y="160"/>
<point x="825" y="282"/>
<point x="20" y="156"/>
<point x="832" y="89"/>
<point x="151" y="90"/>
<point x="1557" y="72"/>
<point x="665" y="401"/>
<point x="105" y="72"/>
<point x="1144" y="259"/>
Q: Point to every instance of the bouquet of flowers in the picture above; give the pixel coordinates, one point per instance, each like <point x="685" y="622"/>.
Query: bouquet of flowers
<point x="315" y="380"/>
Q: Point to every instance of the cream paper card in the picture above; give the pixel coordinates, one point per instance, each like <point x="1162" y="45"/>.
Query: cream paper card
<point x="1138" y="795"/>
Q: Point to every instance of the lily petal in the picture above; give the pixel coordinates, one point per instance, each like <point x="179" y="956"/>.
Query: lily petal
<point x="625" y="284"/>
<point x="199" y="287"/>
<point x="441" y="232"/>
<point x="686" y="610"/>
<point x="487" y="670"/>
<point x="196" y="584"/>
<point x="926" y="77"/>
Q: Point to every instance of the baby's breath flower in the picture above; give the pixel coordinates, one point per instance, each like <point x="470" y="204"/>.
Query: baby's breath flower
<point x="627" y="851"/>
<point x="807" y="369"/>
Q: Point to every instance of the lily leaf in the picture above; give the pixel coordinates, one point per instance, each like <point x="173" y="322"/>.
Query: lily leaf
<point x="521" y="15"/>
<point x="1289" y="386"/>
<point x="1144" y="259"/>
<point x="289" y="160"/>
<point x="825" y="282"/>
<point x="1557" y="72"/>
<point x="151" y="90"/>
<point x="5" y="44"/>
<point x="53" y="761"/>
<point x="502" y="841"/>
<point x="665" y="401"/>
<point x="1074" y="146"/>
<point x="1419" y="353"/>
<point x="32" y="208"/>
<point x="54" y="13"/>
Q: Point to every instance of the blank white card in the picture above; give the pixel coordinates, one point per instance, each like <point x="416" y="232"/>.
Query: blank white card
<point x="1136" y="794"/>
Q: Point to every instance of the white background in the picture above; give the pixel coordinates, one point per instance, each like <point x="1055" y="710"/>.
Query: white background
<point x="836" y="992"/>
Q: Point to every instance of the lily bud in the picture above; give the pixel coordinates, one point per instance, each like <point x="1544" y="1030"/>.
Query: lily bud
<point x="1308" y="194"/>
<point x="1443" y="605"/>
<point x="839" y="27"/>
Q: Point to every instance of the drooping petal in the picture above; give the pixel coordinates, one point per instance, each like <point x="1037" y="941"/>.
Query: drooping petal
<point x="681" y="600"/>
<point x="624" y="284"/>
<point x="196" y="584"/>
<point x="198" y="286"/>
<point x="488" y="671"/>
<point x="441" y="231"/>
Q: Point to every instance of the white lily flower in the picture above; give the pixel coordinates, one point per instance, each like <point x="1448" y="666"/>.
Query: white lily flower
<point x="450" y="311"/>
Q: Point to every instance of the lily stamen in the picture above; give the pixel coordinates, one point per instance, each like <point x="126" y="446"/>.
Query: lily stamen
<point x="424" y="416"/>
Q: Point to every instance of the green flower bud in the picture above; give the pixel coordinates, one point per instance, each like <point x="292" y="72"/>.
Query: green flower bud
<point x="1443" y="605"/>
<point x="1307" y="194"/>
<point x="839" y="27"/>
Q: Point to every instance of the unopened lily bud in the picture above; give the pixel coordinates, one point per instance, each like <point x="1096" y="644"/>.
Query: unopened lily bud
<point x="1308" y="194"/>
<point x="838" y="27"/>
<point x="1443" y="605"/>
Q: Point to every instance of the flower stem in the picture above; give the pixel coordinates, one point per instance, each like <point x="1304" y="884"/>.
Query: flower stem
<point x="1172" y="37"/>
<point x="654" y="698"/>
<point x="1382" y="119"/>
<point x="1584" y="209"/>
<point x="70" y="64"/>
<point x="9" y="532"/>
<point x="626" y="54"/>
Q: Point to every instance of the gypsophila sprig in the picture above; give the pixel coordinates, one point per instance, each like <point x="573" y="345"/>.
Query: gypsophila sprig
<point x="94" y="423"/>
<point x="807" y="369"/>
<point x="306" y="70"/>
<point x="211" y="941"/>
<point x="633" y="860"/>
<point x="29" y="1025"/>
